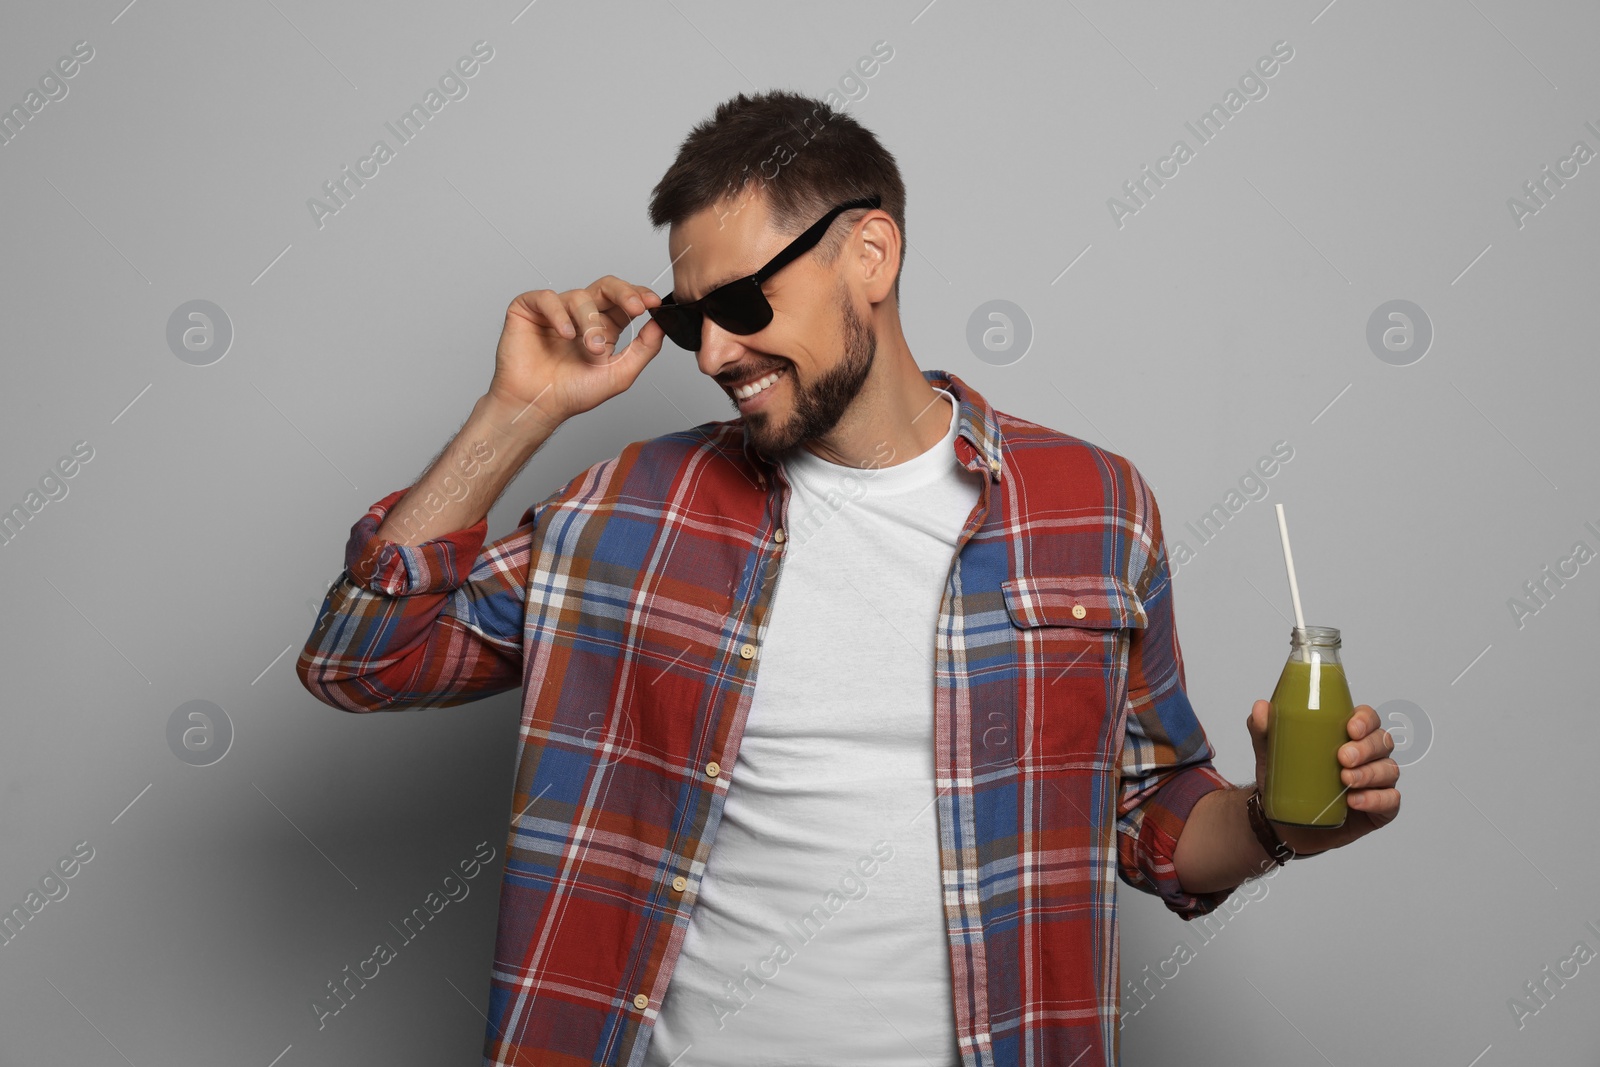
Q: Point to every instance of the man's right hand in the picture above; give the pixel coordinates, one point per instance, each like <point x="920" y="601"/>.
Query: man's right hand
<point x="555" y="358"/>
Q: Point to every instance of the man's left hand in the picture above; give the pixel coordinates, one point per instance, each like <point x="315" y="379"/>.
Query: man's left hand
<point x="1368" y="774"/>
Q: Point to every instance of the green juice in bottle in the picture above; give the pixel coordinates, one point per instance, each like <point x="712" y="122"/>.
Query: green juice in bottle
<point x="1306" y="726"/>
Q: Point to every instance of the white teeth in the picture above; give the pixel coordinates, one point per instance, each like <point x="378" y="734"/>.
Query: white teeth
<point x="755" y="387"/>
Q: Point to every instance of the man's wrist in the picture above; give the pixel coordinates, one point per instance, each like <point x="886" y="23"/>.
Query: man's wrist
<point x="516" y="421"/>
<point x="1277" y="850"/>
<point x="1268" y="831"/>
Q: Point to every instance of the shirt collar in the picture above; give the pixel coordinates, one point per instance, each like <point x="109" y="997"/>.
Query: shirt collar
<point x="977" y="429"/>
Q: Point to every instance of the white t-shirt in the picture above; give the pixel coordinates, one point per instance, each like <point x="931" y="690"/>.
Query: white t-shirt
<point x="820" y="936"/>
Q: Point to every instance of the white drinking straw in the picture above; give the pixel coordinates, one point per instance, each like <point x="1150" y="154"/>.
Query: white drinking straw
<point x="1294" y="586"/>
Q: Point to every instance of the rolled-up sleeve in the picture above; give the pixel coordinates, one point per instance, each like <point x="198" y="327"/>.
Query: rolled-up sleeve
<point x="435" y="566"/>
<point x="1166" y="761"/>
<point x="434" y="624"/>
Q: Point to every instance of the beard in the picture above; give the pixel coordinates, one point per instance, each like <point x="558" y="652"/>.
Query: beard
<point x="818" y="407"/>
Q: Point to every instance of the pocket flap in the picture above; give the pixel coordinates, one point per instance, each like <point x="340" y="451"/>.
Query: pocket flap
<point x="1106" y="601"/>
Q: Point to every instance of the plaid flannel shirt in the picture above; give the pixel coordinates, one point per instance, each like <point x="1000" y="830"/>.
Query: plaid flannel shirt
<point x="631" y="605"/>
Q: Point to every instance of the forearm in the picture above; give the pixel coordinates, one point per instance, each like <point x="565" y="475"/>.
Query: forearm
<point x="1217" y="849"/>
<point x="468" y="476"/>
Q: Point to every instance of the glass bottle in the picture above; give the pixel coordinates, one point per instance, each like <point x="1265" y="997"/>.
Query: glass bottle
<point x="1306" y="725"/>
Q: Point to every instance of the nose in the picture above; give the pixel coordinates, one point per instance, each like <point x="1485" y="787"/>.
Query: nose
<point x="719" y="349"/>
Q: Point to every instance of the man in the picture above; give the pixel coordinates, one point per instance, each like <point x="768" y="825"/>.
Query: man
<point x="840" y="716"/>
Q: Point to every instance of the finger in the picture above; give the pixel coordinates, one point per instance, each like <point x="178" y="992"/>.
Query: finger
<point x="641" y="350"/>
<point x="548" y="306"/>
<point x="1363" y="720"/>
<point x="1374" y="775"/>
<point x="598" y="331"/>
<point x="646" y="343"/>
<point x="621" y="301"/>
<point x="1257" y="719"/>
<point x="1369" y="748"/>
<point x="1256" y="723"/>
<point x="1380" y="803"/>
<point x="652" y="334"/>
<point x="636" y="354"/>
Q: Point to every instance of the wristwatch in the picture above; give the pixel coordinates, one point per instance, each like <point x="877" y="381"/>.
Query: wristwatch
<point x="1274" y="845"/>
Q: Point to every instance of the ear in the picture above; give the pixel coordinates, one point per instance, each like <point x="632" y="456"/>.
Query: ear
<point x="878" y="249"/>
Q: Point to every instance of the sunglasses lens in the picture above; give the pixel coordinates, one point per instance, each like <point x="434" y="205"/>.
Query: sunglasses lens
<point x="742" y="310"/>
<point x="680" y="325"/>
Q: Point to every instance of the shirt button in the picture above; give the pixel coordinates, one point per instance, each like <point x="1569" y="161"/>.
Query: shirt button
<point x="1079" y="611"/>
<point x="679" y="884"/>
<point x="641" y="1002"/>
<point x="778" y="537"/>
<point x="746" y="651"/>
<point x="713" y="769"/>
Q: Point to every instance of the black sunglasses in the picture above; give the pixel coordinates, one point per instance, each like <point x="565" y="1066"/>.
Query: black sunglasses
<point x="740" y="306"/>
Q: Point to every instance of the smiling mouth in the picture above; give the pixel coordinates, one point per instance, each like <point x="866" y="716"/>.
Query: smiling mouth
<point x="757" y="387"/>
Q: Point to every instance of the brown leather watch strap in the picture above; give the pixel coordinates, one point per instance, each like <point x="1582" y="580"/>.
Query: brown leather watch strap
<point x="1270" y="841"/>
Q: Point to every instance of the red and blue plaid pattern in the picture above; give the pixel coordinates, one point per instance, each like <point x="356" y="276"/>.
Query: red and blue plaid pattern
<point x="631" y="605"/>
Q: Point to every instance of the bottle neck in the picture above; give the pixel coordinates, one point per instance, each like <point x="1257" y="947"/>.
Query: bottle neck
<point x="1323" y="640"/>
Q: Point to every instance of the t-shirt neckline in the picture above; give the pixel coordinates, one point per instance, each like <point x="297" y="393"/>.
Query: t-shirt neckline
<point x="819" y="474"/>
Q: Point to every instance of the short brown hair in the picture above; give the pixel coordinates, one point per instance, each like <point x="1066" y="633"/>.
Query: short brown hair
<point x="805" y="155"/>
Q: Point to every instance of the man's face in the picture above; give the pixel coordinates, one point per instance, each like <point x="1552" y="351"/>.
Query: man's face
<point x="818" y="345"/>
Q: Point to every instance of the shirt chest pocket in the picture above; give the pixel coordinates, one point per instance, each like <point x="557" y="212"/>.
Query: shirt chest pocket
<point x="1070" y="635"/>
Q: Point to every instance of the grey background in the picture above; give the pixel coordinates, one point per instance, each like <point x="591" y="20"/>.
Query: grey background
<point x="189" y="555"/>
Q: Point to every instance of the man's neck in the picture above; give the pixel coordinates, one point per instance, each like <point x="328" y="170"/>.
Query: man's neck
<point x="897" y="415"/>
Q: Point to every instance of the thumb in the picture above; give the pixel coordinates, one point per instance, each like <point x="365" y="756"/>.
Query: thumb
<point x="1257" y="722"/>
<point x="646" y="344"/>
